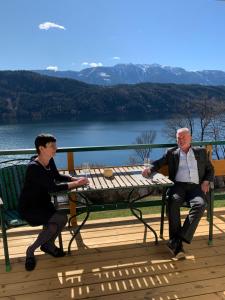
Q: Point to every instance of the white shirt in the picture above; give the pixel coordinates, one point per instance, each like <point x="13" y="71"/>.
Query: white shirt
<point x="188" y="168"/>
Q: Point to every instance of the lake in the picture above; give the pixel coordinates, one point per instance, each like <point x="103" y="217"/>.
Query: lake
<point x="82" y="133"/>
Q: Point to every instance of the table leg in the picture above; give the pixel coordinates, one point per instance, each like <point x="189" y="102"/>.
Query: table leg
<point x="134" y="211"/>
<point x="77" y="230"/>
<point x="73" y="208"/>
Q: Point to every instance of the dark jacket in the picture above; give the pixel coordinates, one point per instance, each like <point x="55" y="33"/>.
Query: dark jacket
<point x="171" y="158"/>
<point x="35" y="204"/>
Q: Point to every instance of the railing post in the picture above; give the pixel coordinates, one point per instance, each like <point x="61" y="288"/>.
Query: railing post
<point x="73" y="208"/>
<point x="70" y="166"/>
<point x="209" y="149"/>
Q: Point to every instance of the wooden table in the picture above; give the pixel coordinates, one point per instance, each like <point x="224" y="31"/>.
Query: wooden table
<point x="124" y="177"/>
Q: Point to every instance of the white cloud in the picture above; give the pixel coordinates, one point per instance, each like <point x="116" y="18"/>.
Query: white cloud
<point x="48" y="25"/>
<point x="116" y="57"/>
<point x="93" y="64"/>
<point x="52" y="68"/>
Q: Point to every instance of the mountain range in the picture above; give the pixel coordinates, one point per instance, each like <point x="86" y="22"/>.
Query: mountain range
<point x="27" y="95"/>
<point x="138" y="73"/>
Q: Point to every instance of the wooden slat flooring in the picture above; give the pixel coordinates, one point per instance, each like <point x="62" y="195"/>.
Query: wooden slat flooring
<point x="116" y="259"/>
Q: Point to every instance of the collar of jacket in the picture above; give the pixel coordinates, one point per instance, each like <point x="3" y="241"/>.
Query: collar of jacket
<point x="194" y="149"/>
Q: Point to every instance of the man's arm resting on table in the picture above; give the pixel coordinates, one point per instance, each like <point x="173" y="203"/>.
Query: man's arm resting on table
<point x="156" y="165"/>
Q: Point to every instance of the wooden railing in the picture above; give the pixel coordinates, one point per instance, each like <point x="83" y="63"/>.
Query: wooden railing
<point x="219" y="165"/>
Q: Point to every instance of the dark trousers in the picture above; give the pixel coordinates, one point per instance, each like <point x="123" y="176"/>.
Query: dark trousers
<point x="193" y="195"/>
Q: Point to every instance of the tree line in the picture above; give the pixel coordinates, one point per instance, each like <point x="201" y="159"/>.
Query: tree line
<point x="26" y="95"/>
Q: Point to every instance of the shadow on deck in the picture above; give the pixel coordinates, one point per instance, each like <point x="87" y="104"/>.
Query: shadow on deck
<point x="116" y="259"/>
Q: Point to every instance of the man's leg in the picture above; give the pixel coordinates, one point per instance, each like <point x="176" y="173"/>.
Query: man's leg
<point x="176" y="199"/>
<point x="197" y="200"/>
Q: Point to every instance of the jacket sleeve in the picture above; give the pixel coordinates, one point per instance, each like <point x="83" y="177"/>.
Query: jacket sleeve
<point x="209" y="169"/>
<point x="157" y="164"/>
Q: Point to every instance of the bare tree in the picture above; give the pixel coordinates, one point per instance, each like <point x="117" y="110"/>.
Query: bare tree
<point x="216" y="129"/>
<point x="184" y="118"/>
<point x="205" y="117"/>
<point x="205" y="110"/>
<point x="147" y="137"/>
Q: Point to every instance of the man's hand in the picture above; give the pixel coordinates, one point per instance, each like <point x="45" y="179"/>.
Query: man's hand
<point x="205" y="186"/>
<point x="146" y="172"/>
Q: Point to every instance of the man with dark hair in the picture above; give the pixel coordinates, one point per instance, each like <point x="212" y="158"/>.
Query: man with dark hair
<point x="35" y="206"/>
<point x="191" y="170"/>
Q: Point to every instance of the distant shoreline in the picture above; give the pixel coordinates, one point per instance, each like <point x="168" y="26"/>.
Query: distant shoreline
<point x="83" y="119"/>
<point x="30" y="97"/>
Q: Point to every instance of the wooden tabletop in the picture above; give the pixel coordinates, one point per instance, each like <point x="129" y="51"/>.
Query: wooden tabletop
<point x="123" y="177"/>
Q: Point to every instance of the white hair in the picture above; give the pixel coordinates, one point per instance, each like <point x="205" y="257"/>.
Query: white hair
<point x="185" y="129"/>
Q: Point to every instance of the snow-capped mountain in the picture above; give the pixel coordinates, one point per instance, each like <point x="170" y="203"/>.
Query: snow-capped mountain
<point x="137" y="73"/>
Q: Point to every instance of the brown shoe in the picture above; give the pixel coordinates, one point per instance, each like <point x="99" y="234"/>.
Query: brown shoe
<point x="176" y="248"/>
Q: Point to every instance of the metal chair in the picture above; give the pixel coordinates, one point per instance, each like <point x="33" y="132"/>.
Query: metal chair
<point x="210" y="202"/>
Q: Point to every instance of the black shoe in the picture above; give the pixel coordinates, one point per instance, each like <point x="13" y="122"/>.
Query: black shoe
<point x="57" y="252"/>
<point x="30" y="263"/>
<point x="176" y="248"/>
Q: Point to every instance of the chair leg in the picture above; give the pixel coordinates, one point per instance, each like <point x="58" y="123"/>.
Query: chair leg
<point x="60" y="234"/>
<point x="210" y="216"/>
<point x="60" y="241"/>
<point x="5" y="242"/>
<point x="162" y="214"/>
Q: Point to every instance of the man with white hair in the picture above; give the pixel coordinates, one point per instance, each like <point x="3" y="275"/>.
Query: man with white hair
<point x="191" y="171"/>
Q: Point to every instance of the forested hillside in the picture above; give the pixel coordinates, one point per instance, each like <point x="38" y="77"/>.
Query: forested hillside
<point x="27" y="95"/>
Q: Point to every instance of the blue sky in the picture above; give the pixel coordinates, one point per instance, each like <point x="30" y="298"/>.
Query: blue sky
<point x="74" y="34"/>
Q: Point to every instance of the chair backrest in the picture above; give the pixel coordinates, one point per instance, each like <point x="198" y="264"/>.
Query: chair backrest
<point x="219" y="167"/>
<point x="11" y="183"/>
<point x="164" y="170"/>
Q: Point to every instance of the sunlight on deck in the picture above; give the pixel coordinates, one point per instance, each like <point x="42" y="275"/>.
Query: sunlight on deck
<point x="115" y="259"/>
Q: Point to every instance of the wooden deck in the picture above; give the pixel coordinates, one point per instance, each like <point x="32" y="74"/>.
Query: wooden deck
<point x="114" y="261"/>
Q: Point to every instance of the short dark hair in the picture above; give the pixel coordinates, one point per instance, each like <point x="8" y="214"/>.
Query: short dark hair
<point x="42" y="139"/>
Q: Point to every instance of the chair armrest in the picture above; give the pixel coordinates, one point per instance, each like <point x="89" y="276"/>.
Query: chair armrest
<point x="58" y="198"/>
